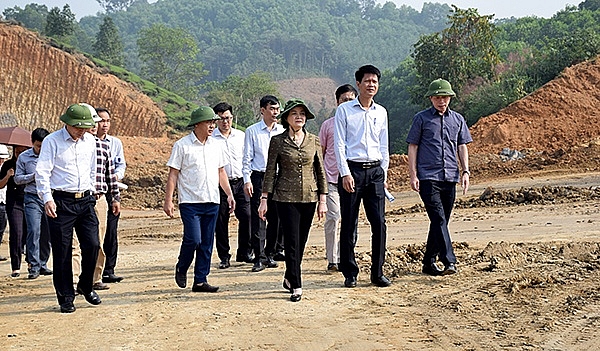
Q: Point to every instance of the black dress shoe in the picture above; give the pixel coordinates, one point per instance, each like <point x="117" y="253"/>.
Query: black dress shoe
<point x="204" y="287"/>
<point x="246" y="259"/>
<point x="270" y="263"/>
<point x="350" y="282"/>
<point x="91" y="297"/>
<point x="432" y="269"/>
<point x="296" y="297"/>
<point x="450" y="269"/>
<point x="332" y="267"/>
<point x="33" y="275"/>
<point x="45" y="271"/>
<point x="67" y="307"/>
<point x="111" y="278"/>
<point x="224" y="264"/>
<point x="381" y="282"/>
<point x="180" y="278"/>
<point x="279" y="256"/>
<point x="286" y="285"/>
<point x="258" y="266"/>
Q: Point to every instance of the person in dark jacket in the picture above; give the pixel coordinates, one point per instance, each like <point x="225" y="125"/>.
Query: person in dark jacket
<point x="296" y="188"/>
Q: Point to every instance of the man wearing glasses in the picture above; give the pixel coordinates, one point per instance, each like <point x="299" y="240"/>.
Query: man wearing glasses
<point x="233" y="146"/>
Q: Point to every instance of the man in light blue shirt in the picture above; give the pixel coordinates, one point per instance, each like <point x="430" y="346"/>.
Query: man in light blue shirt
<point x="64" y="177"/>
<point x="361" y="150"/>
<point x="38" y="237"/>
<point x="266" y="240"/>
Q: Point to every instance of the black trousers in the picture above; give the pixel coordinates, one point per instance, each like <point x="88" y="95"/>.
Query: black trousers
<point x="438" y="198"/>
<point x="111" y="241"/>
<point x="266" y="237"/>
<point x="368" y="187"/>
<point x="3" y="220"/>
<point x="72" y="214"/>
<point x="296" y="227"/>
<point x="17" y="232"/>
<point x="242" y="213"/>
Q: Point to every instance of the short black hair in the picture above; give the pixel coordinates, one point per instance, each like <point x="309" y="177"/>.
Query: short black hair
<point x="268" y="100"/>
<point x="102" y="109"/>
<point x="342" y="89"/>
<point x="39" y="134"/>
<point x="367" y="69"/>
<point x="222" y="107"/>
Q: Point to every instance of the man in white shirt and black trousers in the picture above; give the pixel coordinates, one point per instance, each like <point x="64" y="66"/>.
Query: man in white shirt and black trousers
<point x="361" y="150"/>
<point x="64" y="177"/>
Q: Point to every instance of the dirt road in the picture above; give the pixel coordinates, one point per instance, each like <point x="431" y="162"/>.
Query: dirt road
<point x="528" y="280"/>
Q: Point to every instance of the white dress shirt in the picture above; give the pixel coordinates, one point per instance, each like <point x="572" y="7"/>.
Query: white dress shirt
<point x="233" y="146"/>
<point x="116" y="150"/>
<point x="256" y="147"/>
<point x="198" y="165"/>
<point x="361" y="135"/>
<point x="65" y="164"/>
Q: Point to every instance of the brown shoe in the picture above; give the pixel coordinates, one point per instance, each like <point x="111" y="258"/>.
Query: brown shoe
<point x="100" y="286"/>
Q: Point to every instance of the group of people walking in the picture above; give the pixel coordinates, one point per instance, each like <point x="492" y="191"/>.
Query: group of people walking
<point x="67" y="182"/>
<point x="276" y="175"/>
<point x="273" y="177"/>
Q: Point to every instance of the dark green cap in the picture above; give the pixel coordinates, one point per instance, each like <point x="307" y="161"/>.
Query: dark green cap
<point x="440" y="87"/>
<point x="201" y="114"/>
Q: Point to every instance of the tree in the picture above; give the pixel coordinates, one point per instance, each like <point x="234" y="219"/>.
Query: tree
<point x="111" y="6"/>
<point x="33" y="16"/>
<point x="243" y="94"/>
<point x="60" y="24"/>
<point x="170" y="59"/>
<point x="464" y="51"/>
<point x="108" y="45"/>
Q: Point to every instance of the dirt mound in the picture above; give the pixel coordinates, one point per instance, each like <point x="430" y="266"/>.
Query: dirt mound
<point x="560" y="115"/>
<point x="39" y="81"/>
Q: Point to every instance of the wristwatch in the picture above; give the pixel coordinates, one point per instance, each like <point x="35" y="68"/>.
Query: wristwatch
<point x="467" y="172"/>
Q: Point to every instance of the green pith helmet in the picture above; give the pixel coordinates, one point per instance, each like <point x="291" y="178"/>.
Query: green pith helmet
<point x="292" y="103"/>
<point x="440" y="87"/>
<point x="79" y="115"/>
<point x="201" y="114"/>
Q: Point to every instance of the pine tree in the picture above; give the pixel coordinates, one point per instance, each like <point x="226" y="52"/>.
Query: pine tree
<point x="108" y="45"/>
<point x="60" y="24"/>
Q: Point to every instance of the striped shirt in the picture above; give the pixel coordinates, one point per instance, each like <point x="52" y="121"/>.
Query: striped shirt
<point x="106" y="176"/>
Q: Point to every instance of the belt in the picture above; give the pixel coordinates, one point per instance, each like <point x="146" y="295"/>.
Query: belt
<point x="235" y="180"/>
<point x="364" y="165"/>
<point x="258" y="172"/>
<point x="66" y="194"/>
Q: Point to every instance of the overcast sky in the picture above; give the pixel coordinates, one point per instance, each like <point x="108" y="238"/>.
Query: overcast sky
<point x="500" y="8"/>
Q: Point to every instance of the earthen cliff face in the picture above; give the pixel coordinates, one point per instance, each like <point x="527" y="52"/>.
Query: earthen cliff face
<point x="38" y="82"/>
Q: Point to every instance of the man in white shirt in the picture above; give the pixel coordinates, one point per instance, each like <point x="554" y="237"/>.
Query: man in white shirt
<point x="64" y="177"/>
<point x="111" y="242"/>
<point x="361" y="150"/>
<point x="233" y="144"/>
<point x="265" y="236"/>
<point x="196" y="167"/>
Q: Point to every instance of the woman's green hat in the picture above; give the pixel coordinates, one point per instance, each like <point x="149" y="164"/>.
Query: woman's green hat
<point x="440" y="87"/>
<point x="201" y="114"/>
<point x="79" y="115"/>
<point x="292" y="103"/>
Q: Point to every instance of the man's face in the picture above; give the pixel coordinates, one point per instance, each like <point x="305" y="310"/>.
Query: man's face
<point x="37" y="145"/>
<point x="76" y="132"/>
<point x="270" y="113"/>
<point x="440" y="103"/>
<point x="224" y="124"/>
<point x="204" y="129"/>
<point x="345" y="97"/>
<point x="104" y="124"/>
<point x="368" y="86"/>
